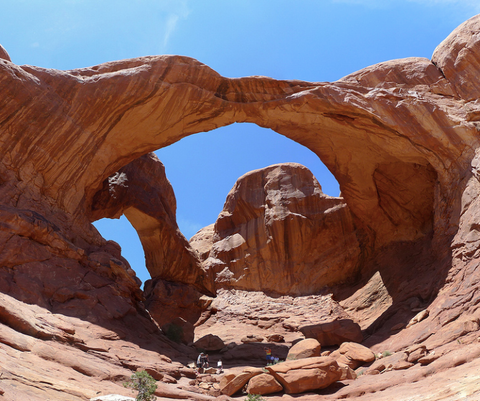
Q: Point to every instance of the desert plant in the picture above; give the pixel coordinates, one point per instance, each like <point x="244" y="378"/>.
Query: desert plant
<point x="144" y="384"/>
<point x="386" y="353"/>
<point x="254" y="397"/>
<point x="174" y="333"/>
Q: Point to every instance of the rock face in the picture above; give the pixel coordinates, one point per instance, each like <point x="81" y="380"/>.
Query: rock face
<point x="333" y="333"/>
<point x="401" y="137"/>
<point x="258" y="315"/>
<point x="276" y="228"/>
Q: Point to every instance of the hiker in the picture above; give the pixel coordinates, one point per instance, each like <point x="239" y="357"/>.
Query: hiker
<point x="200" y="360"/>
<point x="219" y="367"/>
<point x="268" y="353"/>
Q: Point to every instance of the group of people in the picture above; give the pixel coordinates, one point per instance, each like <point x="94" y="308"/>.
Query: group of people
<point x="204" y="363"/>
<point x="270" y="358"/>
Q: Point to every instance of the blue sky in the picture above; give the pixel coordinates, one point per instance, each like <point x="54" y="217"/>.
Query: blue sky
<point x="312" y="40"/>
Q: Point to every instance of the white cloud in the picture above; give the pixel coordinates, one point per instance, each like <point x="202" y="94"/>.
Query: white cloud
<point x="177" y="10"/>
<point x="170" y="27"/>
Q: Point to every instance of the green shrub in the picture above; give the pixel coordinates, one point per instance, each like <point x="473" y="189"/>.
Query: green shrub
<point x="254" y="397"/>
<point x="174" y="333"/>
<point x="386" y="353"/>
<point x="144" y="384"/>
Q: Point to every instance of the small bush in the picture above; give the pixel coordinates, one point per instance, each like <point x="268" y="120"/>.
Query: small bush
<point x="386" y="353"/>
<point x="174" y="333"/>
<point x="254" y="397"/>
<point x="144" y="384"/>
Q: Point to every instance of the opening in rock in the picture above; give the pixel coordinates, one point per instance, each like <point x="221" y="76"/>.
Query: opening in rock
<point x="203" y="168"/>
<point x="122" y="232"/>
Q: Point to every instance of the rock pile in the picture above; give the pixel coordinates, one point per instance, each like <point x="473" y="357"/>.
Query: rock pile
<point x="305" y="370"/>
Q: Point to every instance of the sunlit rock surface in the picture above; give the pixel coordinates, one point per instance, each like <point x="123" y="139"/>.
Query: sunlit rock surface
<point x="278" y="232"/>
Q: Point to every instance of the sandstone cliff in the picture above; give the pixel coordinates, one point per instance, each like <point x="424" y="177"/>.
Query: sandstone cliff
<point x="401" y="137"/>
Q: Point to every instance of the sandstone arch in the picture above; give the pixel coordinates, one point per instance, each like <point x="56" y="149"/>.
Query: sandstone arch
<point x="91" y="122"/>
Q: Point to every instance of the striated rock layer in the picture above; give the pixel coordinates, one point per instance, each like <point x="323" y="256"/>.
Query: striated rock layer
<point x="401" y="137"/>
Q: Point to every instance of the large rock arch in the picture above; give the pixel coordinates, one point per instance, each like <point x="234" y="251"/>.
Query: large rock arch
<point x="395" y="135"/>
<point x="91" y="122"/>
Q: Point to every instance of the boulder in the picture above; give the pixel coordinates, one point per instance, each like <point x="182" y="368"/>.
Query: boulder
<point x="251" y="338"/>
<point x="263" y="384"/>
<point x="305" y="349"/>
<point x="347" y="373"/>
<point x="402" y="365"/>
<point x="275" y="338"/>
<point x="210" y="342"/>
<point x="416" y="352"/>
<point x="353" y="355"/>
<point x="227" y="377"/>
<point x="307" y="374"/>
<point x="334" y="333"/>
<point x="237" y="383"/>
<point x="388" y="362"/>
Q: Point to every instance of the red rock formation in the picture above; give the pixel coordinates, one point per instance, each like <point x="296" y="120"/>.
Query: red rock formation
<point x="401" y="138"/>
<point x="142" y="192"/>
<point x="276" y="229"/>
